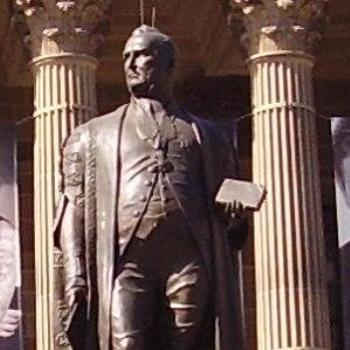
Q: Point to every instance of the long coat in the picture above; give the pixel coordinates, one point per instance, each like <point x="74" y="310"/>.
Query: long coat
<point x="90" y="180"/>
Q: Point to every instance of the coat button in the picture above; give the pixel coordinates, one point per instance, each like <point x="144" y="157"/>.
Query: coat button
<point x="136" y="213"/>
<point x="148" y="182"/>
<point x="152" y="169"/>
<point x="143" y="198"/>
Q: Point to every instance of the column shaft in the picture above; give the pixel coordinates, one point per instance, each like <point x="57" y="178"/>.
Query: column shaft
<point x="292" y="310"/>
<point x="64" y="98"/>
<point x="64" y="37"/>
<point x="291" y="276"/>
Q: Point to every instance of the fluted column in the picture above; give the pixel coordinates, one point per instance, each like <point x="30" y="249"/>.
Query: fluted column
<point x="292" y="301"/>
<point x="64" y="36"/>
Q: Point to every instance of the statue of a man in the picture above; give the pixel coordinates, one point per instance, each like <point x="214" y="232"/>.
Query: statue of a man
<point x="147" y="256"/>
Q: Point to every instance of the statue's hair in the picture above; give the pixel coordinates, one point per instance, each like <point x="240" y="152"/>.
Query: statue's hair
<point x="143" y="29"/>
<point x="159" y="41"/>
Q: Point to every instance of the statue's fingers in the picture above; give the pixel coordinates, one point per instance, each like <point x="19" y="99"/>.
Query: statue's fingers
<point x="227" y="207"/>
<point x="240" y="208"/>
<point x="8" y="327"/>
<point x="14" y="313"/>
<point x="6" y="334"/>
<point x="13" y="316"/>
<point x="235" y="206"/>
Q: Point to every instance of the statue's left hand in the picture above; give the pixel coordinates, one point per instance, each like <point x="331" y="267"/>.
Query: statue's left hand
<point x="237" y="224"/>
<point x="235" y="210"/>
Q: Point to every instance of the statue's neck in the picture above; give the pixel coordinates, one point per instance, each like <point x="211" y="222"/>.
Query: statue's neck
<point x="162" y="93"/>
<point x="164" y="102"/>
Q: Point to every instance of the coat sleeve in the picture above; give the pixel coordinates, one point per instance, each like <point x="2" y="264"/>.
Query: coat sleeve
<point x="70" y="218"/>
<point x="220" y="162"/>
<point x="237" y="227"/>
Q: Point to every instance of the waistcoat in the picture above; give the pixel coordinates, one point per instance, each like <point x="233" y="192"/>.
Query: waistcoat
<point x="161" y="169"/>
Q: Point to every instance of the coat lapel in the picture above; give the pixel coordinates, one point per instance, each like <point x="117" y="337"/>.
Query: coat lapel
<point x="107" y="177"/>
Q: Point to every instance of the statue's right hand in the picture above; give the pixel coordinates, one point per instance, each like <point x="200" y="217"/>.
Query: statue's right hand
<point x="10" y="323"/>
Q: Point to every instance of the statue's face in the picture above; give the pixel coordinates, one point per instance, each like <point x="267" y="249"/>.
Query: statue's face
<point x="144" y="66"/>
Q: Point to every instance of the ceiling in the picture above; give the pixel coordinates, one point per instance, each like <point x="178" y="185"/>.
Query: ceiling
<point x="205" y="43"/>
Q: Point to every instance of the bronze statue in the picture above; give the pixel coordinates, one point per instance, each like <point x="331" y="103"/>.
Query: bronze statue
<point x="147" y="255"/>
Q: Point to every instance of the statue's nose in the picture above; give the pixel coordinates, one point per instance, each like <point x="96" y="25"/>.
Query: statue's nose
<point x="130" y="65"/>
<point x="130" y="62"/>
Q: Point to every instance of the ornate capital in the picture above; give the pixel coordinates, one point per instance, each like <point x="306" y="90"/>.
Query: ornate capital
<point x="271" y="26"/>
<point x="64" y="26"/>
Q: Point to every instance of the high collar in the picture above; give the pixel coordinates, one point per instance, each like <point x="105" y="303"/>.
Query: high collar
<point x="155" y="106"/>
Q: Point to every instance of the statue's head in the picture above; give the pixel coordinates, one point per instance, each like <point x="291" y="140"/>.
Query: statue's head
<point x="149" y="60"/>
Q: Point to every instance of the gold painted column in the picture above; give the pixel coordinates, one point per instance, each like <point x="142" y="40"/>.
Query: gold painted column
<point x="64" y="36"/>
<point x="292" y="301"/>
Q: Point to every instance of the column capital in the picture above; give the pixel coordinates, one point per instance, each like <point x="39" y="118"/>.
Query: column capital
<point x="274" y="26"/>
<point x="64" y="26"/>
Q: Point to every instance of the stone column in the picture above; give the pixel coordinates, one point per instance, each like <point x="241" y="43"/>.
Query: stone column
<point x="292" y="301"/>
<point x="64" y="36"/>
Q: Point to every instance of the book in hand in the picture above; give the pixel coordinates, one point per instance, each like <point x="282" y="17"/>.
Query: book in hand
<point x="249" y="194"/>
